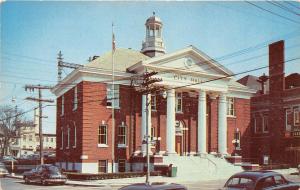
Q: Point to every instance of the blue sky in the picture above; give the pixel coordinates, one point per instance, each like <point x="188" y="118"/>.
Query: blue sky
<point x="32" y="33"/>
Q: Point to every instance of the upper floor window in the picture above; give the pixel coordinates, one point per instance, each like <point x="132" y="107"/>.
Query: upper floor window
<point x="265" y="124"/>
<point x="75" y="101"/>
<point x="62" y="105"/>
<point x="112" y="96"/>
<point x="178" y="103"/>
<point x="30" y="137"/>
<point x="24" y="137"/>
<point x="75" y="136"/>
<point x="288" y="119"/>
<point x="102" y="134"/>
<point x="62" y="138"/>
<point x="122" y="134"/>
<point x="68" y="137"/>
<point x="153" y="102"/>
<point x="230" y="106"/>
<point x="296" y="116"/>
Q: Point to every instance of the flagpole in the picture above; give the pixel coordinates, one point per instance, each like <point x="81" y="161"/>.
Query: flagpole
<point x="113" y="101"/>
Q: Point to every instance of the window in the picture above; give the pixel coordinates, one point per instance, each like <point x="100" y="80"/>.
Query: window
<point x="37" y="139"/>
<point x="30" y="137"/>
<point x="253" y="123"/>
<point x="75" y="136"/>
<point x="288" y="120"/>
<point x="62" y="105"/>
<point x="24" y="137"/>
<point x="265" y="124"/>
<point x="237" y="137"/>
<point x="75" y="101"/>
<point x="152" y="132"/>
<point x="102" y="134"/>
<point x="153" y="102"/>
<point x="112" y="96"/>
<point x="62" y="138"/>
<point x="230" y="106"/>
<point x="51" y="139"/>
<point x="265" y="183"/>
<point x="122" y="134"/>
<point x="102" y="166"/>
<point x="47" y="139"/>
<point x="240" y="183"/>
<point x="122" y="165"/>
<point x="68" y="137"/>
<point x="296" y="117"/>
<point x="178" y="103"/>
<point x="279" y="180"/>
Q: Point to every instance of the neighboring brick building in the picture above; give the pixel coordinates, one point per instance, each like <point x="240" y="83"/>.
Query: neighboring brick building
<point x="193" y="120"/>
<point x="275" y="113"/>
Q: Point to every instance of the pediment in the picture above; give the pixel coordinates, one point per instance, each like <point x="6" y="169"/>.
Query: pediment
<point x="188" y="60"/>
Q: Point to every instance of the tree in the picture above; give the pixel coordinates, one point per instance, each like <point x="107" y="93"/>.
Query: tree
<point x="11" y="119"/>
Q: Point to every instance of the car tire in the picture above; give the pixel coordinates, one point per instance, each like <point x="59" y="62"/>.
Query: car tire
<point x="43" y="182"/>
<point x="26" y="179"/>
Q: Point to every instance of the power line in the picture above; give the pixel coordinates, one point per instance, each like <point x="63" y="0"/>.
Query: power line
<point x="291" y="4"/>
<point x="283" y="7"/>
<point x="273" y="13"/>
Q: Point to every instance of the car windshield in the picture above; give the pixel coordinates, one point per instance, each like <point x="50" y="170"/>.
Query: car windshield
<point x="53" y="170"/>
<point x="240" y="182"/>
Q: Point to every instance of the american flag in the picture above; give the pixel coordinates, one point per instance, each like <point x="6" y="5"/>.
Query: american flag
<point x="113" y="39"/>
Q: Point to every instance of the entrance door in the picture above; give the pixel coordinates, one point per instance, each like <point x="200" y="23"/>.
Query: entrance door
<point x="178" y="147"/>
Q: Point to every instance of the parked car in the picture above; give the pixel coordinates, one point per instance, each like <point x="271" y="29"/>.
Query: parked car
<point x="45" y="174"/>
<point x="3" y="170"/>
<point x="154" y="186"/>
<point x="259" y="180"/>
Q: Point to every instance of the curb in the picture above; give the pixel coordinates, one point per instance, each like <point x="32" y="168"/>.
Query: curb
<point x="14" y="177"/>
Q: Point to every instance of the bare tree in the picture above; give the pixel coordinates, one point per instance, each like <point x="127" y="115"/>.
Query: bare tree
<point x="11" y="119"/>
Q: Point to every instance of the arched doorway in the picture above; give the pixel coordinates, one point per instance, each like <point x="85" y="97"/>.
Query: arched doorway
<point x="180" y="140"/>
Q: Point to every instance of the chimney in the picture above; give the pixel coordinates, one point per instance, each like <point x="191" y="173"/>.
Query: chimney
<point x="276" y="67"/>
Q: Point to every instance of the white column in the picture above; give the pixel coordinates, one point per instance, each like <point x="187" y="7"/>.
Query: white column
<point x="202" y="123"/>
<point x="222" y="124"/>
<point x="144" y="130"/>
<point x="171" y="122"/>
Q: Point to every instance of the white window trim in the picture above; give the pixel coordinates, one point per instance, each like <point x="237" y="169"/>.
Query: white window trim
<point x="103" y="144"/>
<point x="125" y="135"/>
<point x="68" y="138"/>
<point x="176" y="102"/>
<point x="233" y="108"/>
<point x="287" y="126"/>
<point x="62" y="139"/>
<point x="115" y="95"/>
<point x="75" y="101"/>
<point x="75" y="136"/>
<point x="153" y="106"/>
<point x="62" y="105"/>
<point x="296" y="112"/>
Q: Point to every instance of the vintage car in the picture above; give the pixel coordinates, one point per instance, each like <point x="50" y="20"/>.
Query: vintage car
<point x="259" y="180"/>
<point x="3" y="170"/>
<point x="45" y="174"/>
<point x="154" y="186"/>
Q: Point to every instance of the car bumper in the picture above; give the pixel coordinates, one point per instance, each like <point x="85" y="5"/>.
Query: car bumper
<point x="55" y="180"/>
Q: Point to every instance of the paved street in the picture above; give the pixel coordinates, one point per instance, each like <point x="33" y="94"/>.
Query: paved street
<point x="17" y="184"/>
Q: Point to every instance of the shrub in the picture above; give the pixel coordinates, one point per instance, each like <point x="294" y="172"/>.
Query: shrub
<point x="101" y="176"/>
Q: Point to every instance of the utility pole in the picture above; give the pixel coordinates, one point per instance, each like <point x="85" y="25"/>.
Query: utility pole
<point x="40" y="101"/>
<point x="61" y="64"/>
<point x="147" y="89"/>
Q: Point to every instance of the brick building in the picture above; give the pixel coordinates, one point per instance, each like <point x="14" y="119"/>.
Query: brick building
<point x="275" y="112"/>
<point x="192" y="120"/>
